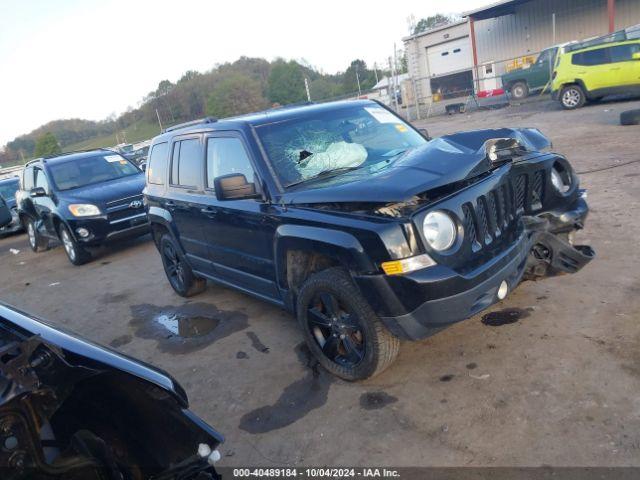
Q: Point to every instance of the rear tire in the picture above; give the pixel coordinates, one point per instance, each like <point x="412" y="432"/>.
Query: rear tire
<point x="76" y="254"/>
<point x="630" y="117"/>
<point x="572" y="97"/>
<point x="519" y="90"/>
<point x="179" y="273"/>
<point x="37" y="242"/>
<point x="341" y="329"/>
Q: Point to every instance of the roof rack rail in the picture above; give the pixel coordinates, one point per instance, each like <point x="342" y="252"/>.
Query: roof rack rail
<point x="629" y="33"/>
<point x="303" y="103"/>
<point x="45" y="157"/>
<point x="188" y="124"/>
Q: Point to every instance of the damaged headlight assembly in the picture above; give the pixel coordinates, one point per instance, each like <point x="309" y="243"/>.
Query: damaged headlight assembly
<point x="561" y="179"/>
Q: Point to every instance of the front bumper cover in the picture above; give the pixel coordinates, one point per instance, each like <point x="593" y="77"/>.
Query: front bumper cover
<point x="102" y="231"/>
<point x="421" y="303"/>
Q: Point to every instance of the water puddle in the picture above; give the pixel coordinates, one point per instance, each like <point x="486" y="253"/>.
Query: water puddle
<point x="504" y="317"/>
<point x="185" y="328"/>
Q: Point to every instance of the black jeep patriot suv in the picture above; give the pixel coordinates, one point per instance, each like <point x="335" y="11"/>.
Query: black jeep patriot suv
<point x="84" y="199"/>
<point x="350" y="218"/>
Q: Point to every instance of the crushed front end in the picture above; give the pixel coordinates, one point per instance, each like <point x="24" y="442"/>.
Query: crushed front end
<point x="513" y="221"/>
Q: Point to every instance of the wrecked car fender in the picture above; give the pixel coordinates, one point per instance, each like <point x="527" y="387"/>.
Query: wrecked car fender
<point x="335" y="244"/>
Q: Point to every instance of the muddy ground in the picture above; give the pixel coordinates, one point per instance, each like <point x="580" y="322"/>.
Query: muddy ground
<point x="557" y="384"/>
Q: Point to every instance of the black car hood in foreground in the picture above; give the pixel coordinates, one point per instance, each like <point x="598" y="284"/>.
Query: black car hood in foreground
<point x="79" y="411"/>
<point x="107" y="191"/>
<point x="444" y="160"/>
<point x="94" y="355"/>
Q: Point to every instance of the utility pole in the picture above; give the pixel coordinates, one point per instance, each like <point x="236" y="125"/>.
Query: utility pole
<point x="306" y="86"/>
<point x="375" y="71"/>
<point x="358" y="80"/>
<point x="395" y="66"/>
<point x="159" y="122"/>
<point x="392" y="86"/>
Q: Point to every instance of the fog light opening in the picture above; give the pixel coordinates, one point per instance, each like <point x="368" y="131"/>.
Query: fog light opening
<point x="83" y="232"/>
<point x="503" y="289"/>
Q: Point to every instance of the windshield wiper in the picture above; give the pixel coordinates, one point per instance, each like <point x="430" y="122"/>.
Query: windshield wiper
<point x="323" y="174"/>
<point x="395" y="152"/>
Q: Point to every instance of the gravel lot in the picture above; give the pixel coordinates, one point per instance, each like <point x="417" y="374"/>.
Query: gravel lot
<point x="558" y="387"/>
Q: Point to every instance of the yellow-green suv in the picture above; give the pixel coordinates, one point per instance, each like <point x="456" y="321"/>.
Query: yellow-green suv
<point x="592" y="72"/>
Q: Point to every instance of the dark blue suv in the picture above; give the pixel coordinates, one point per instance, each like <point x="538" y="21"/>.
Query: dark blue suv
<point x="356" y="222"/>
<point x="83" y="199"/>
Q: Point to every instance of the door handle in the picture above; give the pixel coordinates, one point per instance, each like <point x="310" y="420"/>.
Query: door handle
<point x="209" y="211"/>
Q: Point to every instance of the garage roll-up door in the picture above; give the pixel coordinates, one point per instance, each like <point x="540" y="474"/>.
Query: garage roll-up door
<point x="449" y="57"/>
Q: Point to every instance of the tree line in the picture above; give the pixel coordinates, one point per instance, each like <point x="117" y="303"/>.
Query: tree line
<point x="246" y="85"/>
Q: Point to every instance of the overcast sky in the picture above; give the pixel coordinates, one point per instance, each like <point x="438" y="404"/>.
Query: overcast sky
<point x="89" y="58"/>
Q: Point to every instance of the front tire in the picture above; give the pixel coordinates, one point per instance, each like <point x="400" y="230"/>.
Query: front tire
<point x="37" y="242"/>
<point x="341" y="329"/>
<point x="75" y="253"/>
<point x="572" y="97"/>
<point x="519" y="91"/>
<point x="179" y="273"/>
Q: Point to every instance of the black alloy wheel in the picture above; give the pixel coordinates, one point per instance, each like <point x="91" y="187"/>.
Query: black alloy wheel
<point x="178" y="271"/>
<point x="341" y="329"/>
<point x="336" y="330"/>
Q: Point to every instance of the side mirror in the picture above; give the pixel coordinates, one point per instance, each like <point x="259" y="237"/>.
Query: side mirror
<point x="234" y="186"/>
<point x="38" y="192"/>
<point x="424" y="133"/>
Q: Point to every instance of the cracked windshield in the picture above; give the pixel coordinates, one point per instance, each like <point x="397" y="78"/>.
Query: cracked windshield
<point x="327" y="144"/>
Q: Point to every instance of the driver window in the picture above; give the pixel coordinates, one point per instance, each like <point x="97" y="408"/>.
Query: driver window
<point x="41" y="180"/>
<point x="543" y="57"/>
<point x="227" y="155"/>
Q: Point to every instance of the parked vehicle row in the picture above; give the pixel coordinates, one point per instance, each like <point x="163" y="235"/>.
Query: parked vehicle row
<point x="578" y="72"/>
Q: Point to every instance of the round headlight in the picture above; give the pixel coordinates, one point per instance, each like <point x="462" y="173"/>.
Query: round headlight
<point x="439" y="230"/>
<point x="561" y="181"/>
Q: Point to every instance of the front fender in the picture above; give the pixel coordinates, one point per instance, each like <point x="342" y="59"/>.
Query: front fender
<point x="336" y="244"/>
<point x="162" y="217"/>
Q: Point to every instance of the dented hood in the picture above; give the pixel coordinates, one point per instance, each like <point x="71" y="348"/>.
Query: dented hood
<point x="443" y="160"/>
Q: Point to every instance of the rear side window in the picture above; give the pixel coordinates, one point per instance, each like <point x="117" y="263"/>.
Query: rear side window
<point x="227" y="155"/>
<point x="186" y="164"/>
<point x="157" y="165"/>
<point x="27" y="178"/>
<point x="592" y="57"/>
<point x="623" y="53"/>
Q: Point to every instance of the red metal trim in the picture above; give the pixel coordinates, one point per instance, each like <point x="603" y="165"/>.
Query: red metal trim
<point x="611" y="10"/>
<point x="473" y="41"/>
<point x="472" y="32"/>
